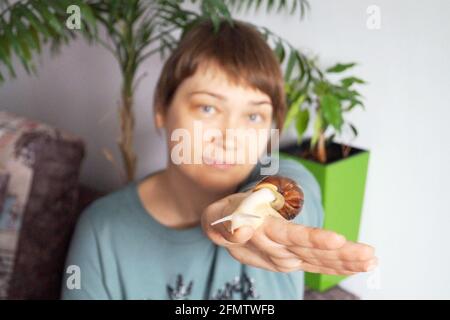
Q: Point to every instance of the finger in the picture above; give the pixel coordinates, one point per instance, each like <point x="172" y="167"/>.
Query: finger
<point x="350" y="251"/>
<point x="251" y="257"/>
<point x="222" y="237"/>
<point x="271" y="248"/>
<point x="240" y="236"/>
<point x="286" y="261"/>
<point x="222" y="207"/>
<point x="288" y="233"/>
<point x="286" y="264"/>
<point x="324" y="270"/>
<point x="354" y="266"/>
<point x="218" y="233"/>
<point x="356" y="251"/>
<point x="214" y="233"/>
<point x="276" y="264"/>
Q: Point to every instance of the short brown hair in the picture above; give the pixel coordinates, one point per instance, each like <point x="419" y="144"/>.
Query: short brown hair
<point x="241" y="52"/>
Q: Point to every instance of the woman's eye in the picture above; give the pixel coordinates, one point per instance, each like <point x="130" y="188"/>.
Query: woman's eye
<point x="207" y="109"/>
<point x="255" y="117"/>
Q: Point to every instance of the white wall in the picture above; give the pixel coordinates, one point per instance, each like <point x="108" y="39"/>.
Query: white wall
<point x="405" y="215"/>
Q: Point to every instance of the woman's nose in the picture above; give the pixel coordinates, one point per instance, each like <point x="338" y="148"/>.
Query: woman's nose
<point x="226" y="139"/>
<point x="228" y="131"/>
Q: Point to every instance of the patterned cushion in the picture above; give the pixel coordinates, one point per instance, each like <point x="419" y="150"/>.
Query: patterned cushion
<point x="4" y="178"/>
<point x="39" y="169"/>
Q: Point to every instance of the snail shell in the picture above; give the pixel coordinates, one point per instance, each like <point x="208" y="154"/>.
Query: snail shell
<point x="291" y="193"/>
<point x="272" y="196"/>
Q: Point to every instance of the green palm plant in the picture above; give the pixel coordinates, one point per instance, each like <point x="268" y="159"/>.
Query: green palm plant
<point x="25" y="26"/>
<point x="135" y="31"/>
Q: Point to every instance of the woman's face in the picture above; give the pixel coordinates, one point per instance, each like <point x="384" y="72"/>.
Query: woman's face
<point x="216" y="131"/>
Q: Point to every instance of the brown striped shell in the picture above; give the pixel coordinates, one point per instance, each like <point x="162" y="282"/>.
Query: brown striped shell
<point x="291" y="192"/>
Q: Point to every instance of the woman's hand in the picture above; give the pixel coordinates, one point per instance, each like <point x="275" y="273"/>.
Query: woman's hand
<point x="283" y="246"/>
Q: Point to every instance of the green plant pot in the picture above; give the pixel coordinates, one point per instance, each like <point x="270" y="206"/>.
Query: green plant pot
<point x="342" y="184"/>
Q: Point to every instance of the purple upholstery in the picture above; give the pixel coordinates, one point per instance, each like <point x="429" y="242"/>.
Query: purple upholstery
<point x="39" y="170"/>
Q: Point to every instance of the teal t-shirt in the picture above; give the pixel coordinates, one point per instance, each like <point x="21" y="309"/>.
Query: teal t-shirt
<point x="121" y="252"/>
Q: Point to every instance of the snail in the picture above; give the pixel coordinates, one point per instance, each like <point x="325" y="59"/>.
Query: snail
<point x="276" y="196"/>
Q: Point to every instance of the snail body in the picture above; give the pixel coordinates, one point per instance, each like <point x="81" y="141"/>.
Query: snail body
<point x="275" y="196"/>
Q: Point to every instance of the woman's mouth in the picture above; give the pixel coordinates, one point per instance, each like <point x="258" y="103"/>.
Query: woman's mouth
<point x="218" y="164"/>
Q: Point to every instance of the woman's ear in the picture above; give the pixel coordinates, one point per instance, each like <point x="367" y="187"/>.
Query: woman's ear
<point x="159" y="118"/>
<point x="159" y="121"/>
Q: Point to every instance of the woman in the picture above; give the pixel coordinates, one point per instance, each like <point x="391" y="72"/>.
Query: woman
<point x="153" y="238"/>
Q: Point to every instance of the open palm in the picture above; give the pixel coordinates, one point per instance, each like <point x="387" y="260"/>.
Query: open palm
<point x="283" y="246"/>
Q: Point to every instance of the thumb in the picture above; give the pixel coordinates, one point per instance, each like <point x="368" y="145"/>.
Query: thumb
<point x="222" y="237"/>
<point x="240" y="236"/>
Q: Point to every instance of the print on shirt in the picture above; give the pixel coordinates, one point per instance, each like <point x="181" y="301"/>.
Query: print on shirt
<point x="181" y="291"/>
<point x="243" y="286"/>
